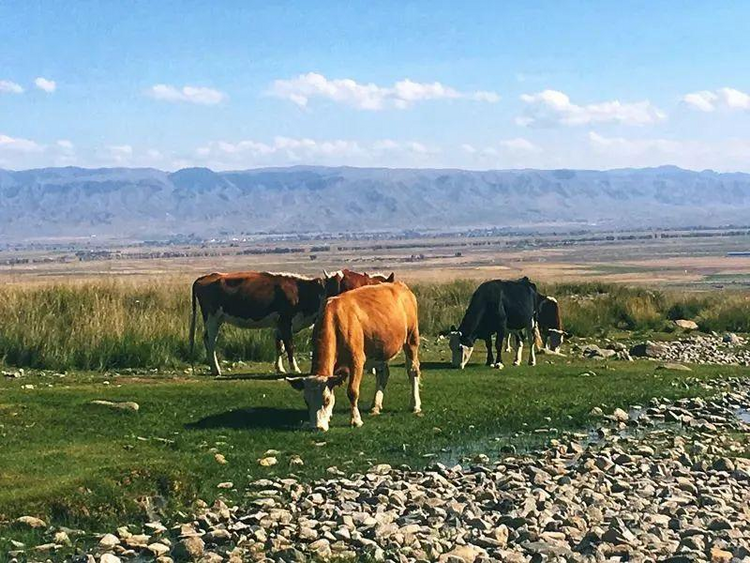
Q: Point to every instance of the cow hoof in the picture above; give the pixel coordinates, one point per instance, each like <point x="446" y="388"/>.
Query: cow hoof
<point x="374" y="412"/>
<point x="356" y="423"/>
<point x="498" y="366"/>
<point x="417" y="412"/>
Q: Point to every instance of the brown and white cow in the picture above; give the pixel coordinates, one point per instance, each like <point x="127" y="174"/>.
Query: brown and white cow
<point x="285" y="302"/>
<point x="345" y="280"/>
<point x="361" y="328"/>
<point x="549" y="325"/>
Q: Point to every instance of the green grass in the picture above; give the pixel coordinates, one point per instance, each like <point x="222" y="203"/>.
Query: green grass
<point x="77" y="464"/>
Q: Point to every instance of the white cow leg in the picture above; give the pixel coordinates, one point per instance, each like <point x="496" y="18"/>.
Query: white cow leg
<point x="295" y="366"/>
<point x="382" y="373"/>
<point x="210" y="334"/>
<point x="519" y="353"/>
<point x="532" y="346"/>
<point x="279" y="354"/>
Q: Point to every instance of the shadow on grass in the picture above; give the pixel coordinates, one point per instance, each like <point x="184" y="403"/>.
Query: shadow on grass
<point x="252" y="418"/>
<point x="254" y="376"/>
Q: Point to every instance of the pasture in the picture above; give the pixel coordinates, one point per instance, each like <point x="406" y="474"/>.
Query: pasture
<point x="84" y="465"/>
<point x="89" y="466"/>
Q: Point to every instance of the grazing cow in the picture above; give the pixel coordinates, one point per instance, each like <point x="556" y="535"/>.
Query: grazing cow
<point x="496" y="308"/>
<point x="346" y="280"/>
<point x="286" y="302"/>
<point x="549" y="324"/>
<point x="358" y="329"/>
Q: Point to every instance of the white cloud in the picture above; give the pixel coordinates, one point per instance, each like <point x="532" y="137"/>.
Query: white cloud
<point x="726" y="98"/>
<point x="65" y="144"/>
<point x="634" y="146"/>
<point x="287" y="150"/>
<point x="369" y="96"/>
<point x="48" y="86"/>
<point x="520" y="144"/>
<point x="190" y="94"/>
<point x="8" y="87"/>
<point x="552" y="108"/>
<point x="16" y="144"/>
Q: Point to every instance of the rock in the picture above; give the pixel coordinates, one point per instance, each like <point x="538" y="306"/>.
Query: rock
<point x="268" y="461"/>
<point x="462" y="554"/>
<point x="31" y="522"/>
<point x="686" y="324"/>
<point x="123" y="406"/>
<point x="620" y="415"/>
<point x="190" y="548"/>
<point x="109" y="541"/>
<point x="649" y="350"/>
<point x="673" y="367"/>
<point x="62" y="538"/>
<point x="220" y="459"/>
<point x="109" y="558"/>
<point x="296" y="460"/>
<point x="723" y="464"/>
<point x="719" y="555"/>
<point x="225" y="485"/>
<point x="731" y="338"/>
<point x="158" y="549"/>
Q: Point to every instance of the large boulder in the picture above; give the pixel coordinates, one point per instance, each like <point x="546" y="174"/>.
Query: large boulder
<point x="686" y="324"/>
<point x="649" y="350"/>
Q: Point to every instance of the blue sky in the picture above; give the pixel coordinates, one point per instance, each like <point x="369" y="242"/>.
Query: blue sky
<point x="234" y="85"/>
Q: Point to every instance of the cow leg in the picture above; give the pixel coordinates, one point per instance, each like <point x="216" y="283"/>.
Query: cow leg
<point x="285" y="329"/>
<point x="531" y="331"/>
<point x="211" y="327"/>
<point x="508" y="345"/>
<point x="353" y="392"/>
<point x="382" y="373"/>
<point x="411" y="351"/>
<point x="279" y="353"/>
<point x="490" y="359"/>
<point x="519" y="350"/>
<point x="499" y="353"/>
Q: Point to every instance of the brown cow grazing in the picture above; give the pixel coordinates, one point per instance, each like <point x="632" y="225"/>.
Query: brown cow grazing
<point x="286" y="302"/>
<point x="549" y="325"/>
<point x="346" y="280"/>
<point x="363" y="327"/>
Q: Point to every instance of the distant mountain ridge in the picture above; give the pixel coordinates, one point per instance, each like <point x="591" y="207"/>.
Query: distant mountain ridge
<point x="142" y="203"/>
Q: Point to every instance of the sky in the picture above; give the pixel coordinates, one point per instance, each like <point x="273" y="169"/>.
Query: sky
<point x="476" y="85"/>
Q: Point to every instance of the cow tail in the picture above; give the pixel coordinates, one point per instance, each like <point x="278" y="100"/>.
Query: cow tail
<point x="192" y="329"/>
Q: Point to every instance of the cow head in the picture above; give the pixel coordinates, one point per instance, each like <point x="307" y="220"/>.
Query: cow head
<point x="319" y="396"/>
<point x="555" y="338"/>
<point x="332" y="282"/>
<point x="461" y="348"/>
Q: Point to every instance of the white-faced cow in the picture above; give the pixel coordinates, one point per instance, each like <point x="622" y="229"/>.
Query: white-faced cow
<point x="361" y="328"/>
<point x="285" y="302"/>
<point x="497" y="308"/>
<point x="549" y="324"/>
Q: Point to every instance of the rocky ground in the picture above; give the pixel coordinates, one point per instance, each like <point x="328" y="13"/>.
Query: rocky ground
<point x="728" y="349"/>
<point x="663" y="482"/>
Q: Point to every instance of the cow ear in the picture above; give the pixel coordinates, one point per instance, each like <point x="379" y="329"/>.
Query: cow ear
<point x="336" y="380"/>
<point x="326" y="274"/>
<point x="452" y="328"/>
<point x="297" y="382"/>
<point x="391" y="277"/>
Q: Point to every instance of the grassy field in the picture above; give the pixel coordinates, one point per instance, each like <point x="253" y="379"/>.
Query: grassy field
<point x="78" y="464"/>
<point x="118" y="324"/>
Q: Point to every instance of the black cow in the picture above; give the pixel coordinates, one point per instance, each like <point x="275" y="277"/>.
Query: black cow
<point x="497" y="308"/>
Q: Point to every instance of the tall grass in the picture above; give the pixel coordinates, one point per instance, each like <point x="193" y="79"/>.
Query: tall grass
<point x="116" y="324"/>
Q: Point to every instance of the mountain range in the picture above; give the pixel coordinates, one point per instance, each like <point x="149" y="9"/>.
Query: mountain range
<point x="144" y="203"/>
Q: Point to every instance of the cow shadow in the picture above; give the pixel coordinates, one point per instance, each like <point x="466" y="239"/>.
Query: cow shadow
<point x="252" y="418"/>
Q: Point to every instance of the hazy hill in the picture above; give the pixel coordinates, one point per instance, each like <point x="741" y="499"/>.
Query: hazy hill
<point x="152" y="203"/>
